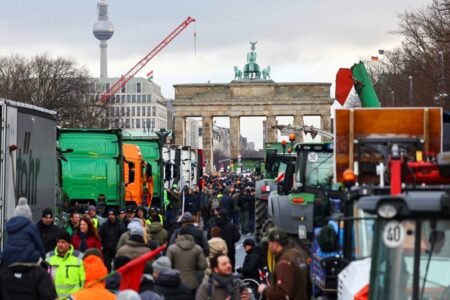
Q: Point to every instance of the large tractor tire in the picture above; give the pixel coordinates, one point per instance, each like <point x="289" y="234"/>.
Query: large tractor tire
<point x="260" y="217"/>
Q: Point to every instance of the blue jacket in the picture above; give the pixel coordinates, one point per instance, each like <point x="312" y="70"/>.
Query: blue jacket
<point x="23" y="243"/>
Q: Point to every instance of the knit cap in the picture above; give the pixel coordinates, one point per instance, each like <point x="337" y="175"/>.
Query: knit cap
<point x="161" y="263"/>
<point x="22" y="208"/>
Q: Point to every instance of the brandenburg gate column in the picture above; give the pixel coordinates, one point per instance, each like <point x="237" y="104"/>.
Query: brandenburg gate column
<point x="235" y="131"/>
<point x="271" y="132"/>
<point x="298" y="122"/>
<point x="207" y="137"/>
<point x="180" y="130"/>
<point x="326" y="122"/>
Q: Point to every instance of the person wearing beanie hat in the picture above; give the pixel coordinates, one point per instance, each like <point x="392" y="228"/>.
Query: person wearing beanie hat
<point x="93" y="287"/>
<point x="190" y="227"/>
<point x="135" y="245"/>
<point x="24" y="244"/>
<point x="48" y="230"/>
<point x="60" y="260"/>
<point x="161" y="263"/>
<point x="290" y="276"/>
<point x="22" y="208"/>
<point x="252" y="262"/>
<point x="147" y="286"/>
<point x="92" y="210"/>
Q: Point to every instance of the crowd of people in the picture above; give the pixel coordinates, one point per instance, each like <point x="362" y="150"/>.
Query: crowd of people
<point x="200" y="228"/>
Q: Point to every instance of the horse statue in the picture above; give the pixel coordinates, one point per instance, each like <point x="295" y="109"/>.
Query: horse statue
<point x="266" y="73"/>
<point x="237" y="73"/>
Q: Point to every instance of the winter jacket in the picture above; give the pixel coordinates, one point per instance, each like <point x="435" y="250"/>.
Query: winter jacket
<point x="95" y="269"/>
<point x="196" y="233"/>
<point x="290" y="276"/>
<point x="134" y="247"/>
<point x="252" y="264"/>
<point x="146" y="290"/>
<point x="49" y="234"/>
<point x="191" y="203"/>
<point x="110" y="234"/>
<point x="170" y="286"/>
<point x="158" y="233"/>
<point x="187" y="257"/>
<point x="216" y="245"/>
<point x="67" y="272"/>
<point x="91" y="242"/>
<point x="23" y="242"/>
<point x="228" y="232"/>
<point x="212" y="289"/>
<point x="26" y="282"/>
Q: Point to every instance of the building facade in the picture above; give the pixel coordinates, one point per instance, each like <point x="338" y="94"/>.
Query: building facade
<point x="138" y="105"/>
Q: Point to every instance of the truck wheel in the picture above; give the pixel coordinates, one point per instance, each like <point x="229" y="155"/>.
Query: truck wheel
<point x="260" y="217"/>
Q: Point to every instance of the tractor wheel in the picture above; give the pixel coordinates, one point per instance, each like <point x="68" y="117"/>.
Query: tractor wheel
<point x="260" y="217"/>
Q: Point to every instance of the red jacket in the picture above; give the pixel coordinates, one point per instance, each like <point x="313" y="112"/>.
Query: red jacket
<point x="91" y="242"/>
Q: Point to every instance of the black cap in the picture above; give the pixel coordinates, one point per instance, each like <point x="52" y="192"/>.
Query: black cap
<point x="121" y="211"/>
<point x="111" y="211"/>
<point x="46" y="212"/>
<point x="249" y="242"/>
<point x="130" y="209"/>
<point x="64" y="235"/>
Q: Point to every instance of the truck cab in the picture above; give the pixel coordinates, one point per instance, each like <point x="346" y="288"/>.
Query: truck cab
<point x="133" y="175"/>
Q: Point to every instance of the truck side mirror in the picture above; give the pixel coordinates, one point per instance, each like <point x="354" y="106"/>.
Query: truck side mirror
<point x="148" y="170"/>
<point x="168" y="171"/>
<point x="288" y="177"/>
<point x="131" y="172"/>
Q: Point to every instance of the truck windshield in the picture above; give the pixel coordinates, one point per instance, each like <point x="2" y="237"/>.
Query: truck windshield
<point x="319" y="168"/>
<point x="411" y="260"/>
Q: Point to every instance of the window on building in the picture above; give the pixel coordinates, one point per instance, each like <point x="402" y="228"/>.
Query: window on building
<point x="128" y="98"/>
<point x="138" y="98"/>
<point x="154" y="111"/>
<point x="133" y="98"/>
<point x="138" y="123"/>
<point x="138" y="113"/>
<point x="143" y="111"/>
<point x="108" y="86"/>
<point x="123" y="89"/>
<point x="128" y="111"/>
<point x="138" y="87"/>
<point x="133" y="111"/>
<point x="149" y="112"/>
<point x="132" y="123"/>
<point x="122" y="99"/>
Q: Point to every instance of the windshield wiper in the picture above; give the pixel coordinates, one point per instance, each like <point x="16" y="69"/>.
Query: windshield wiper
<point x="433" y="241"/>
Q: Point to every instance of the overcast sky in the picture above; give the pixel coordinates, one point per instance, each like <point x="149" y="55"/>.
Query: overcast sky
<point x="302" y="40"/>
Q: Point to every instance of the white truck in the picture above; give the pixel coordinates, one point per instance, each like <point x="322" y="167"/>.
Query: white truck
<point x="28" y="159"/>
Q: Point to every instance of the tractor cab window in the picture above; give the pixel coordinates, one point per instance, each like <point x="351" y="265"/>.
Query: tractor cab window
<point x="412" y="260"/>
<point x="319" y="168"/>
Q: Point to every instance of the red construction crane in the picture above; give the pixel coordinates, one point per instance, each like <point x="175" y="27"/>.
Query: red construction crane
<point x="134" y="70"/>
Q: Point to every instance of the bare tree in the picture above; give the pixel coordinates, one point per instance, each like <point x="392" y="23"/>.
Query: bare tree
<point x="422" y="61"/>
<point x="52" y="83"/>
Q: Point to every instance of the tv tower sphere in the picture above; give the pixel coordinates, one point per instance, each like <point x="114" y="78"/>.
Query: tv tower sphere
<point x="103" y="29"/>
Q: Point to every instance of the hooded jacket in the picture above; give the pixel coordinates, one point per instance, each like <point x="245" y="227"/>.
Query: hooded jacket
<point x="94" y="269"/>
<point x="252" y="264"/>
<point x="23" y="244"/>
<point x="169" y="284"/>
<point x="196" y="233"/>
<point x="110" y="233"/>
<point x="188" y="258"/>
<point x="213" y="290"/>
<point x="216" y="245"/>
<point x="134" y="247"/>
<point x="158" y="233"/>
<point x="228" y="232"/>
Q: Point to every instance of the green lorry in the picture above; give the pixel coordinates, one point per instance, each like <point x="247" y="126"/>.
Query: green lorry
<point x="91" y="167"/>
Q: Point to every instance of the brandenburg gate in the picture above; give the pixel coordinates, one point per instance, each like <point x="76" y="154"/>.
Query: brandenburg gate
<point x="248" y="95"/>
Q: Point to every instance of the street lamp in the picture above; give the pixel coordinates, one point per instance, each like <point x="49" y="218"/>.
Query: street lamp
<point x="410" y="88"/>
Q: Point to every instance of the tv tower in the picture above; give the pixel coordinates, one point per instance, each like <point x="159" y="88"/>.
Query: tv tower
<point x="103" y="30"/>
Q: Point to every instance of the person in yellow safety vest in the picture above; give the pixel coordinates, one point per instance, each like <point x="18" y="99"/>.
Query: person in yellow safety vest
<point x="66" y="267"/>
<point x="93" y="215"/>
<point x="155" y="216"/>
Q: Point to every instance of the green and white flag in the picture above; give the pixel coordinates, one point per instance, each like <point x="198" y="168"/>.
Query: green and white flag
<point x="150" y="75"/>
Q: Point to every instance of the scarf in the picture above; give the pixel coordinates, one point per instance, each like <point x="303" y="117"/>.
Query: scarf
<point x="83" y="243"/>
<point x="227" y="282"/>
